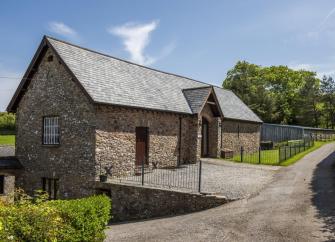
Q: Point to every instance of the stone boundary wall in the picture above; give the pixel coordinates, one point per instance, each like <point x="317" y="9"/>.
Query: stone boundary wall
<point x="137" y="202"/>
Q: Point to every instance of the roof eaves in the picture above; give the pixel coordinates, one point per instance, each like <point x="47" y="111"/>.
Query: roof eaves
<point x="243" y="120"/>
<point x="30" y="72"/>
<point x="143" y="108"/>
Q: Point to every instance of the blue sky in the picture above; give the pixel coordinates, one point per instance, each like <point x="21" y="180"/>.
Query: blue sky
<point x="198" y="39"/>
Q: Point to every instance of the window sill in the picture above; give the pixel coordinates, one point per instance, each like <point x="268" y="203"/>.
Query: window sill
<point x="51" y="146"/>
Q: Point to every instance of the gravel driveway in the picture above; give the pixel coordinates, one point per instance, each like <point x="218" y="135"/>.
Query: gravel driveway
<point x="299" y="205"/>
<point x="7" y="150"/>
<point x="235" y="180"/>
<point x="219" y="177"/>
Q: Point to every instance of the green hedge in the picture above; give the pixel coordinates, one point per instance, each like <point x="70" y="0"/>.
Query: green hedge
<point x="7" y="122"/>
<point x="60" y="220"/>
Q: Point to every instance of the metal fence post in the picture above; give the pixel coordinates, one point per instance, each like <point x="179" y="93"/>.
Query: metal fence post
<point x="241" y="153"/>
<point x="285" y="151"/>
<point x="259" y="155"/>
<point x="200" y="170"/>
<point x="304" y="144"/>
<point x="142" y="172"/>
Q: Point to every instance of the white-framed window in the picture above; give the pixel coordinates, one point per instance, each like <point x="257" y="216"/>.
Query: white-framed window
<point x="51" y="130"/>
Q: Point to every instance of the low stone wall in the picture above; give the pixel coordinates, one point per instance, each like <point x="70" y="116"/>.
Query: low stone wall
<point x="137" y="202"/>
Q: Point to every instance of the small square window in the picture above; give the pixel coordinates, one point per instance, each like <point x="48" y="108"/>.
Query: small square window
<point x="51" y="130"/>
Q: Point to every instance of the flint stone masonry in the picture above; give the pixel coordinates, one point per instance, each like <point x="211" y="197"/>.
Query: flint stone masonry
<point x="116" y="139"/>
<point x="236" y="134"/>
<point x="9" y="186"/>
<point x="136" y="202"/>
<point x="52" y="92"/>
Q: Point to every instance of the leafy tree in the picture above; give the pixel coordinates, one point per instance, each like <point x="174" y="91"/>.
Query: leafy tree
<point x="308" y="108"/>
<point x="246" y="82"/>
<point x="277" y="94"/>
<point x="328" y="98"/>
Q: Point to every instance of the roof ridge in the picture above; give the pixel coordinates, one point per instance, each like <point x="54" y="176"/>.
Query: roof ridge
<point x="120" y="59"/>
<point x="193" y="88"/>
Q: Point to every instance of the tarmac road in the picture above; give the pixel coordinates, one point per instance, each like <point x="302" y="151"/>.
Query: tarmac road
<point x="298" y="205"/>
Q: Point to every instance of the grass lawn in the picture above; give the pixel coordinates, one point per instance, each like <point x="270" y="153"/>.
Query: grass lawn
<point x="271" y="157"/>
<point x="268" y="157"/>
<point x="7" y="139"/>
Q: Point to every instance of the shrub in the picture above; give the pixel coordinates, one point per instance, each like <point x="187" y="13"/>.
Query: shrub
<point x="29" y="222"/>
<point x="7" y="121"/>
<point x="60" y="220"/>
<point x="85" y="218"/>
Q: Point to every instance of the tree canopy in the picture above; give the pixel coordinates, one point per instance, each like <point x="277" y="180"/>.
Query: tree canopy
<point x="278" y="94"/>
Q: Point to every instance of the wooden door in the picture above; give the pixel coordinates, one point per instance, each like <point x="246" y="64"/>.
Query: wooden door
<point x="142" y="138"/>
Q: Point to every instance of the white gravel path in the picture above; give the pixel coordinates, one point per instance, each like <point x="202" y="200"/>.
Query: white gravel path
<point x="235" y="180"/>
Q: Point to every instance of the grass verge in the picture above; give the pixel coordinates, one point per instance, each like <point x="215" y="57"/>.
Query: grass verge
<point x="7" y="139"/>
<point x="271" y="157"/>
<point x="294" y="159"/>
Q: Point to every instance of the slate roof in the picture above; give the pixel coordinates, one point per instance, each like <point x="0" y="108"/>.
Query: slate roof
<point x="109" y="80"/>
<point x="232" y="107"/>
<point x="196" y="97"/>
<point x="113" y="81"/>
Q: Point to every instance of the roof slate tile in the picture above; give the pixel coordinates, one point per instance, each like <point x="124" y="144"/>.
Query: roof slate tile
<point x="110" y="80"/>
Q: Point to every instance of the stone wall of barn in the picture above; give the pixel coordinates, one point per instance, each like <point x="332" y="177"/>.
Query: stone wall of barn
<point x="52" y="92"/>
<point x="9" y="186"/>
<point x="236" y="134"/>
<point x="116" y="139"/>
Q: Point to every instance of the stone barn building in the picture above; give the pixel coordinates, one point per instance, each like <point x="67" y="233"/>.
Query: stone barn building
<point x="80" y="112"/>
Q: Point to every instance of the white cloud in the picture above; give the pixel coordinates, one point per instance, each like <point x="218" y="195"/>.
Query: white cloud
<point x="136" y="38"/>
<point x="62" y="29"/>
<point x="322" y="69"/>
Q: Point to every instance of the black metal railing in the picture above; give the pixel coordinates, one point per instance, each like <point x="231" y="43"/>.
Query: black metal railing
<point x="287" y="151"/>
<point x="273" y="156"/>
<point x="182" y="177"/>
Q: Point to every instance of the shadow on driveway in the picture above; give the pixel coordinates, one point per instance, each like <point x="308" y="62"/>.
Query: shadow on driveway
<point x="323" y="187"/>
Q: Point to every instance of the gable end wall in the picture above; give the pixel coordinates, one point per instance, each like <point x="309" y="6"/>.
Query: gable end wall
<point x="53" y="92"/>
